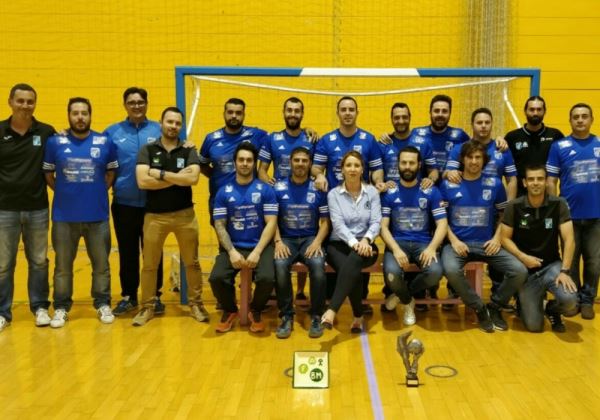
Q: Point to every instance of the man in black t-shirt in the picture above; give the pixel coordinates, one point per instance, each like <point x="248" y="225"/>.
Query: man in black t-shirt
<point x="167" y="170"/>
<point x="530" y="144"/>
<point x="23" y="204"/>
<point x="530" y="231"/>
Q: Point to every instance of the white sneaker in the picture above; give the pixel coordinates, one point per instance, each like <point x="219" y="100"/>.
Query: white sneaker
<point x="409" y="313"/>
<point x="59" y="319"/>
<point x="391" y="302"/>
<point x="42" y="319"/>
<point x="3" y="323"/>
<point x="105" y="314"/>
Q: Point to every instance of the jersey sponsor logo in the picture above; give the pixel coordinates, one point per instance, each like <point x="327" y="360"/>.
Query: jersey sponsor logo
<point x="67" y="150"/>
<point x="572" y="152"/>
<point x="280" y="186"/>
<point x="565" y="143"/>
<point x="151" y="139"/>
<point x="422" y="131"/>
<point x="95" y="152"/>
<point x="397" y="200"/>
<point x="121" y="140"/>
<point x="180" y="163"/>
<point x="391" y="152"/>
<point x="337" y="149"/>
<point x="285" y="197"/>
<point x="452" y="185"/>
<point x="231" y="200"/>
<point x="488" y="182"/>
<point x="220" y="144"/>
<point x="63" y="140"/>
<point x="458" y="195"/>
<point x="487" y="195"/>
<point x="362" y="136"/>
<point x="282" y="147"/>
<point x="37" y="141"/>
<point x="542" y="139"/>
<point x="357" y="148"/>
<point x="8" y="137"/>
<point x="156" y="160"/>
<point x="255" y="197"/>
<point x="98" y="140"/>
<point x="310" y="197"/>
<point x="228" y="188"/>
<point x="217" y="135"/>
<point x="333" y="137"/>
<point x="548" y="223"/>
<point x="278" y="137"/>
<point x="423" y="203"/>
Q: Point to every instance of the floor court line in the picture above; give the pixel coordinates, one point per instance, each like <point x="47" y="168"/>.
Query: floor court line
<point x="371" y="377"/>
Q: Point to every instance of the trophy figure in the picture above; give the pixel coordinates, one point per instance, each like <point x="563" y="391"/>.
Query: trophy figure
<point x="412" y="349"/>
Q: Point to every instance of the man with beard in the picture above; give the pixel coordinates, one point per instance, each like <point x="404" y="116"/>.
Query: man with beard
<point x="168" y="170"/>
<point x="23" y="204"/>
<point x="406" y="230"/>
<point x="474" y="235"/>
<point x="530" y="231"/>
<point x="531" y="143"/>
<point x="245" y="215"/>
<point x="302" y="228"/>
<point x="84" y="162"/>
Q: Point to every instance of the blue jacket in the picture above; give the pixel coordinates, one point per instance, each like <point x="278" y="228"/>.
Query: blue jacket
<point x="128" y="140"/>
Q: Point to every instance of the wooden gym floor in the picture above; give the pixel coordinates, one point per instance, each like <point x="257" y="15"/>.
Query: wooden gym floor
<point x="176" y="368"/>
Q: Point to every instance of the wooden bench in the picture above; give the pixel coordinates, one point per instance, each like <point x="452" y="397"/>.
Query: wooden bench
<point x="473" y="273"/>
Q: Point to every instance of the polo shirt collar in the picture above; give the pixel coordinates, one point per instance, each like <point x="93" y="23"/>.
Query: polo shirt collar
<point x="159" y="143"/>
<point x="344" y="190"/>
<point x="527" y="204"/>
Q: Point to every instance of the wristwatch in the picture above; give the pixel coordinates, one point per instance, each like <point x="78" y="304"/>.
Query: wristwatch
<point x="565" y="271"/>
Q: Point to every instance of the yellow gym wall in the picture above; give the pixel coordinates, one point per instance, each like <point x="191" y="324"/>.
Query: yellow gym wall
<point x="97" y="49"/>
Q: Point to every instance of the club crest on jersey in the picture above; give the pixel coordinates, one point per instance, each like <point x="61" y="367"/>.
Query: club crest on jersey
<point x="357" y="148"/>
<point x="310" y="197"/>
<point x="498" y="155"/>
<point x="180" y="163"/>
<point x="423" y="203"/>
<point x="548" y="223"/>
<point x="487" y="195"/>
<point x="255" y="197"/>
<point x="449" y="145"/>
<point x="37" y="141"/>
<point x="156" y="160"/>
<point x="98" y="140"/>
<point x="597" y="151"/>
<point x="95" y="152"/>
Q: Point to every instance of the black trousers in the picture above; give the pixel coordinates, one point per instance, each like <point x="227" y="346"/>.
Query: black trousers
<point x="349" y="283"/>
<point x="129" y="227"/>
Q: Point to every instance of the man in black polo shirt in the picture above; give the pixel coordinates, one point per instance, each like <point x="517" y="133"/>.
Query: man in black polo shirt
<point x="23" y="204"/>
<point x="167" y="170"/>
<point x="530" y="231"/>
<point x="530" y="144"/>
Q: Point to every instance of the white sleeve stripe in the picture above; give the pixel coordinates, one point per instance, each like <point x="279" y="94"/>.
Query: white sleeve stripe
<point x="376" y="162"/>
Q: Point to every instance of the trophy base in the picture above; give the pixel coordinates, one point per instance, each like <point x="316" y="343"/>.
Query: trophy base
<point x="412" y="381"/>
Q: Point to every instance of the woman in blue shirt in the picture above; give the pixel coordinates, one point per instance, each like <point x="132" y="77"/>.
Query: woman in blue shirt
<point x="355" y="212"/>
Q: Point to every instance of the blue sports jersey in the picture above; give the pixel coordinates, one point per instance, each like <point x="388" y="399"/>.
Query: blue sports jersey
<point x="389" y="155"/>
<point x="80" y="193"/>
<point x="410" y="210"/>
<point x="217" y="151"/>
<point x="300" y="208"/>
<point x="278" y="147"/>
<point x="441" y="143"/>
<point x="577" y="163"/>
<point x="245" y="207"/>
<point x="332" y="147"/>
<point x="500" y="164"/>
<point x="473" y="206"/>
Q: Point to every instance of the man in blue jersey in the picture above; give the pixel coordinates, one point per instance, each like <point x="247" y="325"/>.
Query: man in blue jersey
<point x="278" y="146"/>
<point x="79" y="167"/>
<point x="216" y="153"/>
<point x="400" y="139"/>
<point x="128" y="204"/>
<point x="302" y="228"/>
<point x="576" y="161"/>
<point x="167" y="170"/>
<point x="474" y="234"/>
<point x="406" y="231"/>
<point x="245" y="219"/>
<point x="23" y="204"/>
<point x="500" y="163"/>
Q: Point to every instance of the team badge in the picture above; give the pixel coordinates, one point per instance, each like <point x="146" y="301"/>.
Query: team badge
<point x="548" y="223"/>
<point x="180" y="163"/>
<point x="597" y="151"/>
<point x="95" y="152"/>
<point x="449" y="145"/>
<point x="367" y="205"/>
<point x="310" y="197"/>
<point x="518" y="145"/>
<point x="37" y="141"/>
<point x="487" y="195"/>
<point x="423" y="203"/>
<point x="255" y="198"/>
<point x="156" y="160"/>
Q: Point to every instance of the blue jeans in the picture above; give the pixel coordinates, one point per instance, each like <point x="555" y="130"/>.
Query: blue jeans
<point x="587" y="245"/>
<point x="532" y="296"/>
<point x="514" y="271"/>
<point x="33" y="226"/>
<point x="65" y="240"/>
<point x="283" y="278"/>
<point x="394" y="275"/>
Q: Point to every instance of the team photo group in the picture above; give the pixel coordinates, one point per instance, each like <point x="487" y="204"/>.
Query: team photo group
<point x="527" y="203"/>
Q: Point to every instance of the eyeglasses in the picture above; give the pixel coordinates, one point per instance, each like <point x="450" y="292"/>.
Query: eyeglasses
<point x="134" y="104"/>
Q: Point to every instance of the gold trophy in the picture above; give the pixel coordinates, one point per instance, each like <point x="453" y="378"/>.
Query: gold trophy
<point x="410" y="351"/>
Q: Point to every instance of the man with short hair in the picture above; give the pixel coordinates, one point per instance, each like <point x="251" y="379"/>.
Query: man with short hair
<point x="128" y="204"/>
<point x="406" y="231"/>
<point x="530" y="231"/>
<point x="23" y="204"/>
<point x="167" y="171"/>
<point x="576" y="161"/>
<point x="473" y="207"/>
<point x="79" y="167"/>
<point x="302" y="228"/>
<point x="530" y="144"/>
<point x="245" y="219"/>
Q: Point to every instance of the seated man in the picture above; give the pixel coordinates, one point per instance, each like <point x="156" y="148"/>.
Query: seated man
<point x="245" y="218"/>
<point x="530" y="230"/>
<point x="303" y="226"/>
<point x="472" y="207"/>
<point x="408" y="238"/>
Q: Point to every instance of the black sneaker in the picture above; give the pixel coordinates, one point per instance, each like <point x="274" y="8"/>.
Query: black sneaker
<point x="556" y="322"/>
<point x="496" y="317"/>
<point x="485" y="322"/>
